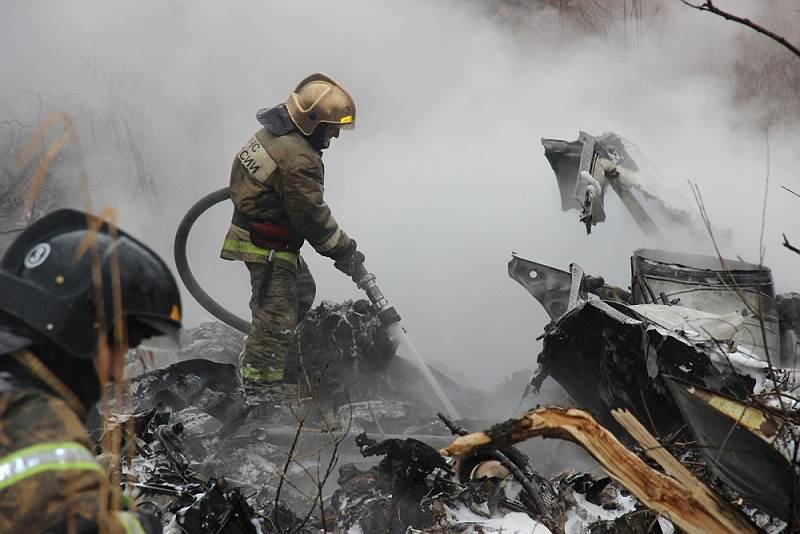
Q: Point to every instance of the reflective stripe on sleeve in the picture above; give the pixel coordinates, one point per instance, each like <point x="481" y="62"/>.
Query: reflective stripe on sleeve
<point x="30" y="461"/>
<point x="329" y="243"/>
<point x="245" y="247"/>
<point x="130" y="523"/>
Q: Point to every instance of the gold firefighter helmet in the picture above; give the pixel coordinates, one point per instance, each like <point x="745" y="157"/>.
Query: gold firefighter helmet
<point x="319" y="98"/>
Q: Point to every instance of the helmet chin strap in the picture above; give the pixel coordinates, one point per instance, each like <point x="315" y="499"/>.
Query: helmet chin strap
<point x="317" y="138"/>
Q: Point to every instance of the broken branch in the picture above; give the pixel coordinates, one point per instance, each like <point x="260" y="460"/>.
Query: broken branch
<point x="681" y="497"/>
<point x="789" y="190"/>
<point x="789" y="245"/>
<point x="709" y="6"/>
<point x="535" y="498"/>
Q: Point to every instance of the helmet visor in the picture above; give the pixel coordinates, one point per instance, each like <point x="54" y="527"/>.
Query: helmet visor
<point x="347" y="122"/>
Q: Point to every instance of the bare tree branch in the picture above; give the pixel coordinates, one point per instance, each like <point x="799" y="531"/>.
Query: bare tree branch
<point x="789" y="190"/>
<point x="709" y="6"/>
<point x="756" y="311"/>
<point x="535" y="501"/>
<point x="789" y="245"/>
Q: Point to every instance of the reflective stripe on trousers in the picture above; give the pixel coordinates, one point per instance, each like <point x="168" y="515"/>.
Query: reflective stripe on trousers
<point x="129" y="523"/>
<point x="56" y="456"/>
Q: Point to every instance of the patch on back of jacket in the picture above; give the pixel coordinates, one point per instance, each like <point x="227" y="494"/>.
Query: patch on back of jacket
<point x="255" y="159"/>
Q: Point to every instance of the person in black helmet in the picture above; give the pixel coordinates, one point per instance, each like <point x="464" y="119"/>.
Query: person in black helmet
<point x="74" y="296"/>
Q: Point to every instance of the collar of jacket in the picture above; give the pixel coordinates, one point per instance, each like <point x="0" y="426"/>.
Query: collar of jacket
<point x="34" y="365"/>
<point x="12" y="338"/>
<point x="276" y="120"/>
<point x="15" y="377"/>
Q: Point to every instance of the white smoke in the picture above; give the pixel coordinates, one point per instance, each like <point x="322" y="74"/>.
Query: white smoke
<point x="444" y="175"/>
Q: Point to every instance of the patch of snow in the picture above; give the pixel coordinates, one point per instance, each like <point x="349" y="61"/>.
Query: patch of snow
<point x="511" y="523"/>
<point x="666" y="525"/>
<point x="512" y="489"/>
<point x="585" y="513"/>
<point x="574" y="524"/>
<point x="625" y="504"/>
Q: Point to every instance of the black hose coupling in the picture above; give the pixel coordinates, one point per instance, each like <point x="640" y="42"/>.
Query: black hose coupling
<point x="388" y="316"/>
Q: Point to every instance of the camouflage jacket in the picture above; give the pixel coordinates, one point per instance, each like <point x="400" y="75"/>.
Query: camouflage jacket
<point x="280" y="179"/>
<point x="50" y="480"/>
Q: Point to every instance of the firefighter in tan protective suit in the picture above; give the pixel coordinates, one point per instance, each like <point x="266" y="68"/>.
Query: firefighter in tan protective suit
<point x="53" y="367"/>
<point x="276" y="185"/>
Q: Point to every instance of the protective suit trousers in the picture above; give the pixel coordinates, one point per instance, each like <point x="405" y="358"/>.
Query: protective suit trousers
<point x="274" y="322"/>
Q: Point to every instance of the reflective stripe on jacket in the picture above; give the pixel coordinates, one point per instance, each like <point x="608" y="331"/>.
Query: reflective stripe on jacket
<point x="280" y="179"/>
<point x="237" y="246"/>
<point x="37" y="459"/>
<point x="49" y="477"/>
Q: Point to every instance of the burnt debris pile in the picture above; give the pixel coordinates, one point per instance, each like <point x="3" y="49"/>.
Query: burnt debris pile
<point x="693" y="425"/>
<point x="356" y="450"/>
<point x="204" y="447"/>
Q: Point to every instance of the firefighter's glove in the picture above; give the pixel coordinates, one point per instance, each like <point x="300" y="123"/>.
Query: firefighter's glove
<point x="350" y="261"/>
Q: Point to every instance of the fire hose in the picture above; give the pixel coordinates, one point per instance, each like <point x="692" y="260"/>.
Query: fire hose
<point x="363" y="279"/>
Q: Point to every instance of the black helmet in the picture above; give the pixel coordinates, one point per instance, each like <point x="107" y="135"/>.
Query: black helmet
<point x="47" y="291"/>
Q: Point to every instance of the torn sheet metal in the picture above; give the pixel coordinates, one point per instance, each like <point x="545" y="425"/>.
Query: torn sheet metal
<point x="738" y="442"/>
<point x="586" y="167"/>
<point x="716" y="332"/>
<point x="581" y="181"/>
<point x="703" y="283"/>
<point x="608" y="355"/>
<point x="553" y="288"/>
<point x="548" y="285"/>
<point x="576" y="289"/>
<point x="565" y="159"/>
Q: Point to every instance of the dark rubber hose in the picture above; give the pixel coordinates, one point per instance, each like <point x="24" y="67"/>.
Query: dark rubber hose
<point x="182" y="262"/>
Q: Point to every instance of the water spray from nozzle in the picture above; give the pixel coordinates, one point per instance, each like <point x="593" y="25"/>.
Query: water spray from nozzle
<point x="391" y="319"/>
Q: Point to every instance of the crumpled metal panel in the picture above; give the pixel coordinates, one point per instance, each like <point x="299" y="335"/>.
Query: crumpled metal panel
<point x="611" y="160"/>
<point x="548" y="285"/>
<point x="738" y="449"/>
<point x="702" y="283"/>
<point x="196" y="386"/>
<point x="704" y="328"/>
<point x="608" y="356"/>
<point x="565" y="159"/>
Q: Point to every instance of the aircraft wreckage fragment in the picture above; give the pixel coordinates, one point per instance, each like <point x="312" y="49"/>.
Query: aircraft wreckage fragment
<point x="750" y="448"/>
<point x="691" y="345"/>
<point x="585" y="168"/>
